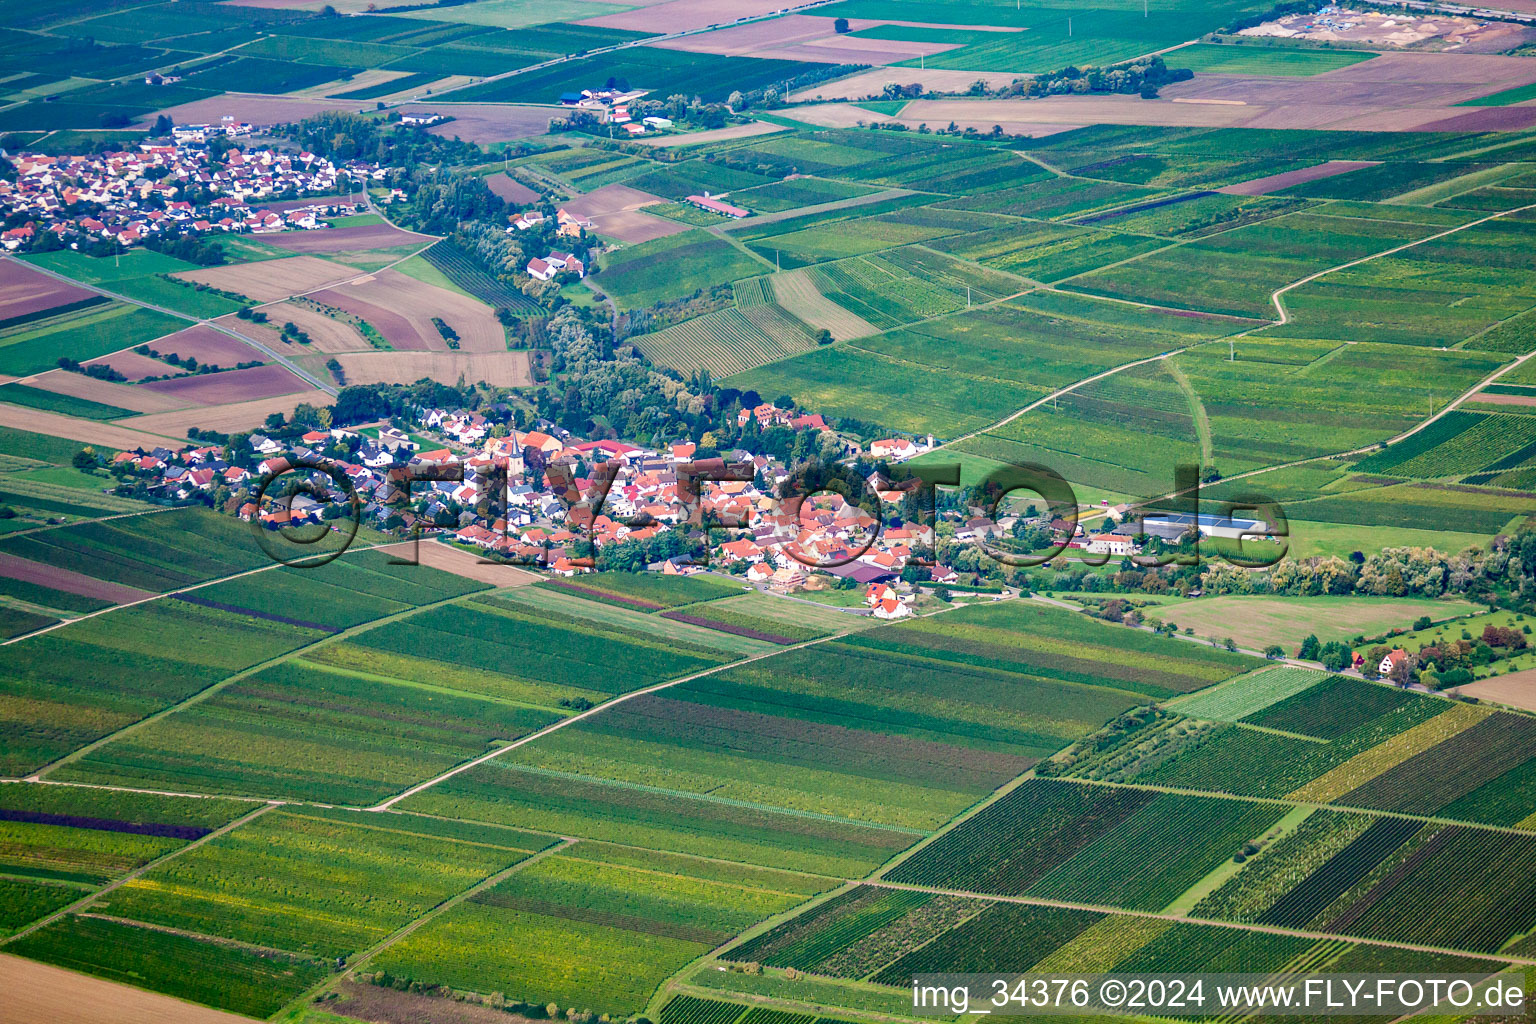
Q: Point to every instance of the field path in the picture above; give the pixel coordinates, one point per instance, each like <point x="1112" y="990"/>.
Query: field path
<point x="213" y="688"/>
<point x="556" y="726"/>
<point x="606" y="705"/>
<point x="1285" y="316"/>
<point x="359" y="959"/>
<point x="142" y="869"/>
<point x="1197" y="412"/>
<point x="1059" y="392"/>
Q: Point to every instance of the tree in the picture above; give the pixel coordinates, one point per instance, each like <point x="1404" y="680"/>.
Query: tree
<point x="163" y="125"/>
<point x="1310" y="648"/>
<point x="85" y="458"/>
<point x="1274" y="651"/>
<point x="840" y="25"/>
<point x="823" y="337"/>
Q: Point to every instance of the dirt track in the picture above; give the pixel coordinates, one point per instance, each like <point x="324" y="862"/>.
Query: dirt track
<point x="37" y="992"/>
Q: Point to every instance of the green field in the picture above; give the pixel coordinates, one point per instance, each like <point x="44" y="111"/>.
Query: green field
<point x="1204" y="58"/>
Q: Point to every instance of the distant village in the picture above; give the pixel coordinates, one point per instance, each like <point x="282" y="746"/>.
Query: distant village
<point x="172" y="189"/>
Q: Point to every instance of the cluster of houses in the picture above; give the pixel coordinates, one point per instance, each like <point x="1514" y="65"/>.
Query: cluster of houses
<point x="569" y="225"/>
<point x="165" y="190"/>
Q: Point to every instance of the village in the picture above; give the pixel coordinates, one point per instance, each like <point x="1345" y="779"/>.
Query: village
<point x="169" y="190"/>
<point x="545" y="498"/>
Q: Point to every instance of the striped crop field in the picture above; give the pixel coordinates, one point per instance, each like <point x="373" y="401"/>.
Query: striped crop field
<point x="728" y="340"/>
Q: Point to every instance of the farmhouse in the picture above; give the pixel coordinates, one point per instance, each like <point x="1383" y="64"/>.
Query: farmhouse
<point x="716" y="206"/>
<point x="1394" y="658"/>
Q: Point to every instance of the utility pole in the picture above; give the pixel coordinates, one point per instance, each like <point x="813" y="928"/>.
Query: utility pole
<point x="1231" y="350"/>
<point x="967" y="296"/>
<point x="1069" y="28"/>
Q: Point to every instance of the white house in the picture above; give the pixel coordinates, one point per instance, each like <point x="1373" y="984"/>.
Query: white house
<point x="1110" y="543"/>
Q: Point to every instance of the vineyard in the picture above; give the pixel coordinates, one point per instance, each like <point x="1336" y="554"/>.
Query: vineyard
<point x="1280" y="867"/>
<point x="1158" y="853"/>
<point x="805" y="941"/>
<point x="466" y="272"/>
<point x="1320" y="887"/>
<point x="1457" y="444"/>
<point x="1250" y="694"/>
<point x="728" y="341"/>
<point x="883" y="293"/>
<point x="1331" y="709"/>
<point x="1423" y="784"/>
<point x="1014" y="842"/>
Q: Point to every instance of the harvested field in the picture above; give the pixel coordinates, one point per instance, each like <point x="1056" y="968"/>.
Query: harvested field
<point x="805" y="38"/>
<point x="678" y="15"/>
<point x="24" y="290"/>
<point x="226" y="419"/>
<point x="856" y="50"/>
<point x="384" y="1005"/>
<point x="1390" y="81"/>
<point x="615" y="210"/>
<point x="14" y="568"/>
<point x="757" y="38"/>
<point x="487" y="122"/>
<point x="124" y="396"/>
<point x="511" y="190"/>
<point x="94" y="432"/>
<point x="735" y="131"/>
<point x="325" y="334"/>
<point x="1487" y="398"/>
<point x="37" y="992"/>
<point x="284" y="205"/>
<point x="505" y="369"/>
<point x="870" y="83"/>
<point x="402" y="309"/>
<point x="254" y="382"/>
<point x="132" y="365"/>
<point x="366" y="236"/>
<point x="462" y="563"/>
<point x="207" y="345"/>
<point x="1517" y="689"/>
<point x="252" y="108"/>
<point x="1276" y="182"/>
<point x="270" y="280"/>
<point x="1488" y="119"/>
